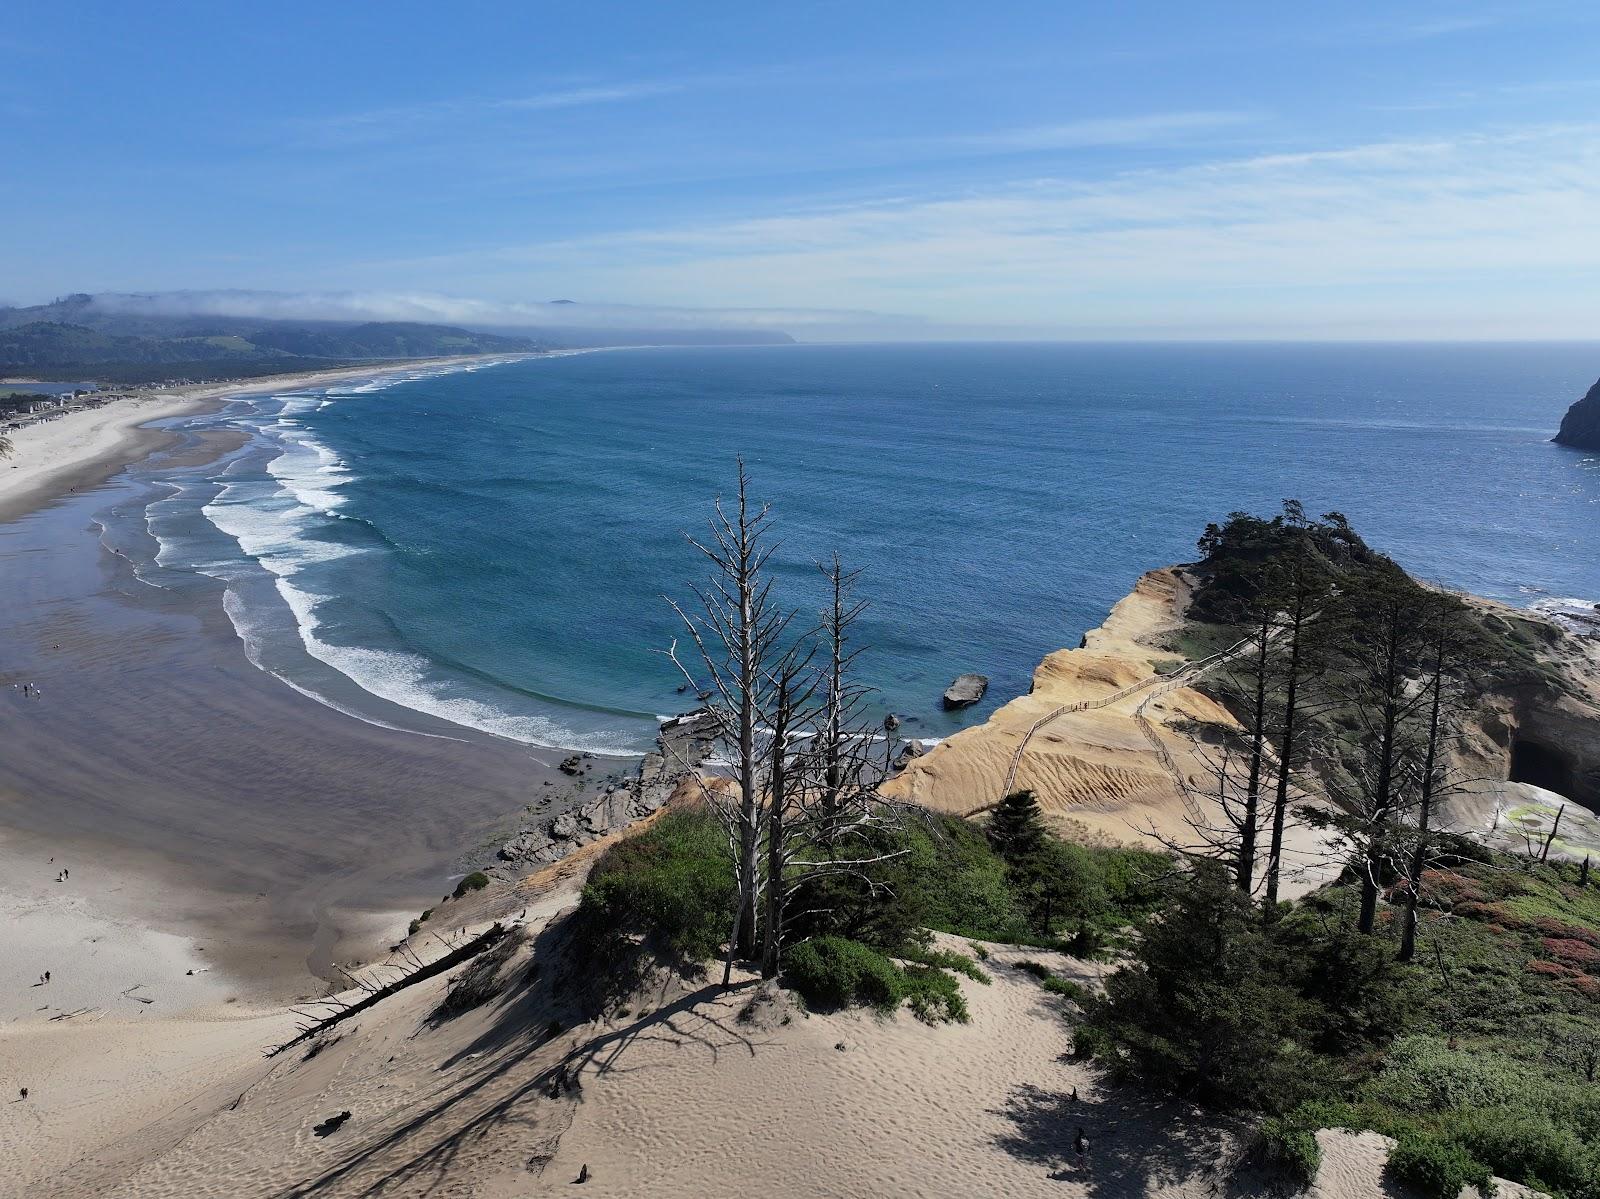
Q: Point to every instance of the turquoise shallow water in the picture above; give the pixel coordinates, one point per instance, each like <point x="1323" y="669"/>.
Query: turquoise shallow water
<point x="493" y="546"/>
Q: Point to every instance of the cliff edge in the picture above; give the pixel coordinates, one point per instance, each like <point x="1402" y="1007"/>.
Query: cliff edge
<point x="1580" y="428"/>
<point x="1099" y="737"/>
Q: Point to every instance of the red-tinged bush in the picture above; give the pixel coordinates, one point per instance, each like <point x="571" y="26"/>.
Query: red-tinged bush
<point x="1578" y="953"/>
<point x="1496" y="914"/>
<point x="1549" y="969"/>
<point x="1587" y="985"/>
<point x="1452" y="888"/>
<point x="1551" y="926"/>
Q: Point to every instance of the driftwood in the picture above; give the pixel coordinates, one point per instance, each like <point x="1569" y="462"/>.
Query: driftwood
<point x="455" y="957"/>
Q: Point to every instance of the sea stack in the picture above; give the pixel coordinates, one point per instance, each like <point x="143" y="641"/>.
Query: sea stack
<point x="967" y="690"/>
<point x="1581" y="426"/>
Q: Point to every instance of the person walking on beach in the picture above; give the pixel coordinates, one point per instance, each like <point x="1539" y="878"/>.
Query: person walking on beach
<point x="1080" y="1149"/>
<point x="24" y="1092"/>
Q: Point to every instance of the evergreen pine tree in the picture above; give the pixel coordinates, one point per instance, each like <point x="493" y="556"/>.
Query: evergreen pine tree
<point x="1016" y="830"/>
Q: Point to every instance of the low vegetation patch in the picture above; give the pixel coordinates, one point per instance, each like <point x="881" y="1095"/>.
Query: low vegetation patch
<point x="835" y="972"/>
<point x="671" y="889"/>
<point x="1480" y="1057"/>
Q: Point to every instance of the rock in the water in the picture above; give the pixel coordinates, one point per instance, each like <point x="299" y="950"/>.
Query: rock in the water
<point x="908" y="751"/>
<point x="966" y="691"/>
<point x="1580" y="428"/>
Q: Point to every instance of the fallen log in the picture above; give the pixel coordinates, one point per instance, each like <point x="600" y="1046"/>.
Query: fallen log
<point x="432" y="970"/>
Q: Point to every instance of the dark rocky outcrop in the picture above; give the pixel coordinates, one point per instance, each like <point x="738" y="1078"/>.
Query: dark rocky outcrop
<point x="967" y="690"/>
<point x="1580" y="428"/>
<point x="910" y="751"/>
<point x="683" y="743"/>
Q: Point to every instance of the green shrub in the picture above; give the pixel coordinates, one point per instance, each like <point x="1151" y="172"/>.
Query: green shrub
<point x="1038" y="969"/>
<point x="948" y="877"/>
<point x="418" y="922"/>
<point x="1423" y="1073"/>
<point x="1090" y="1042"/>
<point x="1284" y="1144"/>
<point x="935" y="996"/>
<point x="672" y="884"/>
<point x="958" y="881"/>
<point x="1436" y="1167"/>
<point x="476" y="881"/>
<point x="1528" y="1146"/>
<point x="1064" y="987"/>
<point x="835" y="972"/>
<point x="1209" y="1008"/>
<point x="945" y="959"/>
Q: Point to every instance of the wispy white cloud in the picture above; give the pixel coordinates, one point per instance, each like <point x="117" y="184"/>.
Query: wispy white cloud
<point x="1492" y="226"/>
<point x="579" y="97"/>
<point x="379" y="124"/>
<point x="1099" y="131"/>
<point x="440" y="307"/>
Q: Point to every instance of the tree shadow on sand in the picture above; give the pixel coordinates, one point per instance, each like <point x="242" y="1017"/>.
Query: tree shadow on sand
<point x="525" y="1034"/>
<point x="1136" y="1143"/>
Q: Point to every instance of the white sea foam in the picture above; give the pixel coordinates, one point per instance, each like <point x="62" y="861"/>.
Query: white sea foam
<point x="1580" y="616"/>
<point x="239" y="615"/>
<point x="407" y="680"/>
<point x="270" y="519"/>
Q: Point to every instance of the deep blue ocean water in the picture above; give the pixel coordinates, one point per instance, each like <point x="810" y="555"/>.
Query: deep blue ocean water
<point x="492" y="546"/>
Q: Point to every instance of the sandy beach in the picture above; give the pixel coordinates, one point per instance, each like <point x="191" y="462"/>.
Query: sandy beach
<point x="186" y="845"/>
<point x="79" y="449"/>
<point x="217" y="820"/>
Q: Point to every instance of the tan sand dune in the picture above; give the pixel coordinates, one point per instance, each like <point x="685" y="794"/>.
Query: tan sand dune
<point x="677" y="1094"/>
<point x="682" y="1089"/>
<point x="688" y="1091"/>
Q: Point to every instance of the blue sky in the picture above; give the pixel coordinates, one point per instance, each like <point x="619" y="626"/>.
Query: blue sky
<point x="863" y="169"/>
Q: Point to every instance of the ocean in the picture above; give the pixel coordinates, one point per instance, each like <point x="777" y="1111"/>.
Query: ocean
<point x="494" y="547"/>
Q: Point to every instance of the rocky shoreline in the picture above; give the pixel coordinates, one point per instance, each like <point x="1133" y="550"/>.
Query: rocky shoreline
<point x="682" y="746"/>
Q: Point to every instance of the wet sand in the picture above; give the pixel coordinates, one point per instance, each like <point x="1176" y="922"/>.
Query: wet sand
<point x="275" y="832"/>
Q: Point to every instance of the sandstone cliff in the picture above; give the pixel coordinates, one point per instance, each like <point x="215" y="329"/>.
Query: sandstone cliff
<point x="1100" y="737"/>
<point x="1097" y="737"/>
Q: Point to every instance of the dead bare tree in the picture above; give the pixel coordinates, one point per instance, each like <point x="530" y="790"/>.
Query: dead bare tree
<point x="1449" y="644"/>
<point x="832" y="823"/>
<point x="794" y="685"/>
<point x="843" y="698"/>
<point x="737" y="631"/>
<point x="1229" y="820"/>
<point x="790" y="717"/>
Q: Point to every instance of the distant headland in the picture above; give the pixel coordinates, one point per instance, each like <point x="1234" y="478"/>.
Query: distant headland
<point x="1580" y="428"/>
<point x="145" y="338"/>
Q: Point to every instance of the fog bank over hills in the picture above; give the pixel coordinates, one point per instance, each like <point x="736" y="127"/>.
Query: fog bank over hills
<point x="556" y="323"/>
